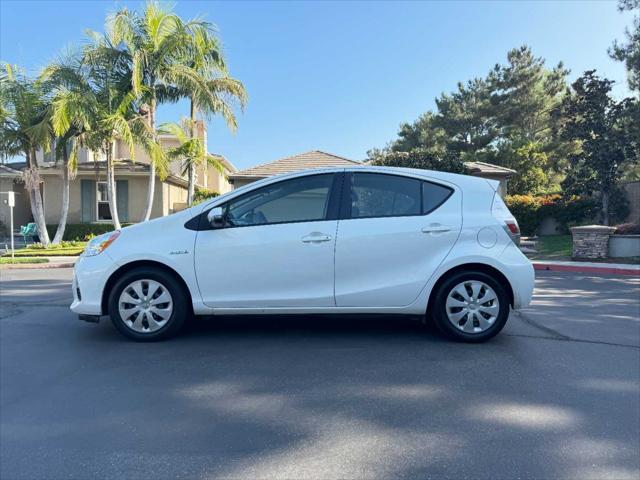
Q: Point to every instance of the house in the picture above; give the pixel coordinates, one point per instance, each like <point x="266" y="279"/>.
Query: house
<point x="318" y="159"/>
<point x="301" y="161"/>
<point x="88" y="189"/>
<point x="492" y="172"/>
<point x="11" y="181"/>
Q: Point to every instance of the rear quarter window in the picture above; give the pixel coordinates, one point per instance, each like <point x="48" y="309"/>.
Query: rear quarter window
<point x="434" y="195"/>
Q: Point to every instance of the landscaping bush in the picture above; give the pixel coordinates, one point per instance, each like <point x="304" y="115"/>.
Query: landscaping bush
<point x="82" y="231"/>
<point x="568" y="211"/>
<point x="628" y="229"/>
<point x="525" y="208"/>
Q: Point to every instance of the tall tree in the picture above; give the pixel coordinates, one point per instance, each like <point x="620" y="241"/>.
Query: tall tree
<point x="24" y="129"/>
<point x="629" y="52"/>
<point x="525" y="93"/>
<point x="95" y="100"/>
<point x="191" y="150"/>
<point x="204" y="56"/>
<point x="157" y="42"/>
<point x="467" y="117"/>
<point x="601" y="127"/>
<point x="62" y="144"/>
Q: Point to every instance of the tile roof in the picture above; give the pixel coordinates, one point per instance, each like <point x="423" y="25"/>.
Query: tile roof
<point x="11" y="169"/>
<point x="301" y="161"/>
<point x="483" y="168"/>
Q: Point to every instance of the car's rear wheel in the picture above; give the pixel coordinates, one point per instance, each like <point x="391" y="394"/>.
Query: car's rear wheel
<point x="148" y="304"/>
<point x="470" y="306"/>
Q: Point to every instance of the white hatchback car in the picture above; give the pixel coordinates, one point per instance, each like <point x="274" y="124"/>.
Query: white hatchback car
<point x="354" y="240"/>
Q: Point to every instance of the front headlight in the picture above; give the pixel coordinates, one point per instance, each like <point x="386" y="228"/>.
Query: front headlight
<point x="100" y="243"/>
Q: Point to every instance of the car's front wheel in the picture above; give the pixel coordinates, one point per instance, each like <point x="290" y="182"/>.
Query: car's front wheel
<point x="148" y="304"/>
<point x="470" y="306"/>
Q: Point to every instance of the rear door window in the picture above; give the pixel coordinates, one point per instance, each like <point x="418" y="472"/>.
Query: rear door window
<point x="380" y="195"/>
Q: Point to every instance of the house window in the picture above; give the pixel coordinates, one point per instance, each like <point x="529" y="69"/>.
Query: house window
<point x="102" y="200"/>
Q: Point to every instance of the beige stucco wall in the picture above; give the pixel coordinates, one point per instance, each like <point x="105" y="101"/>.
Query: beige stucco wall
<point x="174" y="198"/>
<point x="22" y="209"/>
<point x="138" y="186"/>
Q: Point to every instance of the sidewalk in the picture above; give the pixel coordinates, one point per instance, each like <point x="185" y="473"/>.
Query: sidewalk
<point x="587" y="267"/>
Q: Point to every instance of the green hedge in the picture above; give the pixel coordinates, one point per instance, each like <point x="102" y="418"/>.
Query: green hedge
<point x="82" y="231"/>
<point x="569" y="211"/>
<point x="5" y="261"/>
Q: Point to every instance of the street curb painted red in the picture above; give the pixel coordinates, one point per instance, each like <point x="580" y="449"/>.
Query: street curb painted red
<point x="586" y="269"/>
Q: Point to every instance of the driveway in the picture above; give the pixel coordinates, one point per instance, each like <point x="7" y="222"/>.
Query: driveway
<point x="556" y="395"/>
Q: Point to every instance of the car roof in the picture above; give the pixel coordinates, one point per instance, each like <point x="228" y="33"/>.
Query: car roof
<point x="453" y="179"/>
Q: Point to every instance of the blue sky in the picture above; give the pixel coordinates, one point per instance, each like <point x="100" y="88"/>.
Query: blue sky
<point x="341" y="76"/>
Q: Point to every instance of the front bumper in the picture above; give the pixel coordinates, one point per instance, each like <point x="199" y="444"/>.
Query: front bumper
<point x="89" y="278"/>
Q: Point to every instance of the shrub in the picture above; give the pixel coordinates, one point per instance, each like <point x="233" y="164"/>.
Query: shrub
<point x="9" y="260"/>
<point x="628" y="229"/>
<point x="82" y="231"/>
<point x="568" y="211"/>
<point x="526" y="210"/>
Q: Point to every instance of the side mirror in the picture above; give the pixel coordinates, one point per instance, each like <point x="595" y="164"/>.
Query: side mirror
<point x="216" y="217"/>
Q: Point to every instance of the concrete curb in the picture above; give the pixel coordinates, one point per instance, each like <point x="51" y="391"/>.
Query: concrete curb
<point x="579" y="267"/>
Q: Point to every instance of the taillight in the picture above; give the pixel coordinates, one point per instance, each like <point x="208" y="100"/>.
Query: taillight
<point x="513" y="227"/>
<point x="503" y="215"/>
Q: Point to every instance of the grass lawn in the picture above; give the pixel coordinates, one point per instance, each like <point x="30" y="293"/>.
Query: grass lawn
<point x="554" y="247"/>
<point x="73" y="251"/>
<point x="6" y="261"/>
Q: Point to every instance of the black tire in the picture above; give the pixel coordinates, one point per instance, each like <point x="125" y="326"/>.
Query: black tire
<point x="437" y="307"/>
<point x="180" y="298"/>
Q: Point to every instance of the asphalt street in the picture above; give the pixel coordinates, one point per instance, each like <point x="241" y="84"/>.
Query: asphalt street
<point x="556" y="395"/>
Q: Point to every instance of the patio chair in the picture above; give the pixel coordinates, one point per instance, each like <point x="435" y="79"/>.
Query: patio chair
<point x="30" y="230"/>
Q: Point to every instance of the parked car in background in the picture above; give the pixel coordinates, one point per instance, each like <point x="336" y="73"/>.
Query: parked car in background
<point x="342" y="240"/>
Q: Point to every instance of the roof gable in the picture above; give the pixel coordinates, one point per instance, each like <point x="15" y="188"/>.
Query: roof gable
<point x="301" y="161"/>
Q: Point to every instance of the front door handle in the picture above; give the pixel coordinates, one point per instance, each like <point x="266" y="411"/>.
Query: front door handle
<point x="435" y="228"/>
<point x="316" y="237"/>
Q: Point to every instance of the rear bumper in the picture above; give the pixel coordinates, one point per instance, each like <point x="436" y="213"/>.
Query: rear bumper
<point x="520" y="274"/>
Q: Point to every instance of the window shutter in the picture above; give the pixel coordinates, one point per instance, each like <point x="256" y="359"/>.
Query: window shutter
<point x="122" y="199"/>
<point x="88" y="201"/>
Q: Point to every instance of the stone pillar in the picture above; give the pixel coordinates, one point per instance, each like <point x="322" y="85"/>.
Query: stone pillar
<point x="591" y="241"/>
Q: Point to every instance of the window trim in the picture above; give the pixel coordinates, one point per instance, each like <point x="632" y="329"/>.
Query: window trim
<point x="98" y="202"/>
<point x="200" y="222"/>
<point x="345" y="205"/>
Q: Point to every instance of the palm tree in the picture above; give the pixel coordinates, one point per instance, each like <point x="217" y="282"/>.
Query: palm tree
<point x="53" y="83"/>
<point x="220" y="91"/>
<point x="95" y="101"/>
<point x="157" y="43"/>
<point x="23" y="130"/>
<point x="192" y="150"/>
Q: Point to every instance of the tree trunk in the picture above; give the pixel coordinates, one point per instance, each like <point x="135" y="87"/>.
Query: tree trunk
<point x="152" y="166"/>
<point x="191" y="189"/>
<point x="37" y="208"/>
<point x="64" y="210"/>
<point x="605" y="208"/>
<point x="111" y="190"/>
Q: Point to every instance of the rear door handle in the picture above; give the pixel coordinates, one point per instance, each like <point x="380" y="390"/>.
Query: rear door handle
<point x="316" y="237"/>
<point x="436" y="228"/>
